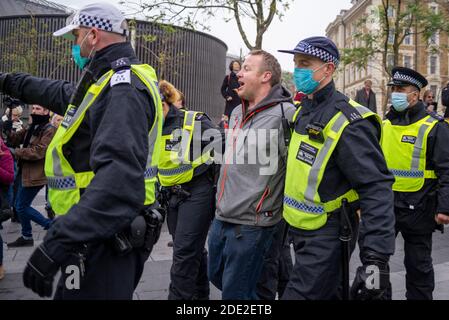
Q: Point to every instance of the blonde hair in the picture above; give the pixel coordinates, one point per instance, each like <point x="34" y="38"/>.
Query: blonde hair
<point x="169" y="92"/>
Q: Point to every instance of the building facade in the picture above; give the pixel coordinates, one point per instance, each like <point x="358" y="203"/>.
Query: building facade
<point x="430" y="58"/>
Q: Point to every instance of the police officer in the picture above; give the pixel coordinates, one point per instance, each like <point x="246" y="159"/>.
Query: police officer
<point x="415" y="147"/>
<point x="101" y="164"/>
<point x="335" y="165"/>
<point x="186" y="173"/>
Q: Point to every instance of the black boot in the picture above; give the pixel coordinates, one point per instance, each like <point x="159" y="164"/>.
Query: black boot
<point x="21" y="242"/>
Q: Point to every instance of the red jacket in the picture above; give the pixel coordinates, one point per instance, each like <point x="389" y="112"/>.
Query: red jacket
<point x="6" y="165"/>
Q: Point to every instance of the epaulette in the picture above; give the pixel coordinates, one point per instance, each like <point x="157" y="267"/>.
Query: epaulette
<point x="122" y="71"/>
<point x="435" y="115"/>
<point x="350" y="112"/>
<point x="200" y="116"/>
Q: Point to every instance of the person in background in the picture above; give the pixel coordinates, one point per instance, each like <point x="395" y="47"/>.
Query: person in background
<point x="31" y="177"/>
<point x="445" y="100"/>
<point x="12" y="119"/>
<point x="366" y="96"/>
<point x="414" y="143"/>
<point x="6" y="178"/>
<point x="16" y="113"/>
<point x="429" y="100"/>
<point x="187" y="177"/>
<point x="229" y="89"/>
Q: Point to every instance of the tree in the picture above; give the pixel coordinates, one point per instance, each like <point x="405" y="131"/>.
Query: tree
<point x="378" y="37"/>
<point x="193" y="13"/>
<point x="161" y="46"/>
<point x="23" y="49"/>
<point x="396" y="20"/>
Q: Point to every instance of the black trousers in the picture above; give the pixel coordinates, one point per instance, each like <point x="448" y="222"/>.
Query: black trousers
<point x="189" y="219"/>
<point x="317" y="272"/>
<point x="108" y="276"/>
<point x="277" y="266"/>
<point x="419" y="278"/>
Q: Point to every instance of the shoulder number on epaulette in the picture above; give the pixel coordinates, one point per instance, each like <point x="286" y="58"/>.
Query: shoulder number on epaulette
<point x="121" y="76"/>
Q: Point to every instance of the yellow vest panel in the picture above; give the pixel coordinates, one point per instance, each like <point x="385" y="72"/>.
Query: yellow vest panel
<point x="63" y="182"/>
<point x="306" y="164"/>
<point x="405" y="150"/>
<point x="175" y="167"/>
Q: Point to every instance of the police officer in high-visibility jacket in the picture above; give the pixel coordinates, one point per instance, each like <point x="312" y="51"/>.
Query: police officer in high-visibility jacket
<point x="101" y="164"/>
<point x="415" y="145"/>
<point x="186" y="173"/>
<point x="334" y="160"/>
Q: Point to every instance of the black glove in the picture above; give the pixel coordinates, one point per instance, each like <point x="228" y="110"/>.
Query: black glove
<point x="372" y="280"/>
<point x="40" y="272"/>
<point x="7" y="125"/>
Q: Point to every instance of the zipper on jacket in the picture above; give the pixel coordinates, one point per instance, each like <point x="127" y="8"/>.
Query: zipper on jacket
<point x="244" y="120"/>
<point x="265" y="195"/>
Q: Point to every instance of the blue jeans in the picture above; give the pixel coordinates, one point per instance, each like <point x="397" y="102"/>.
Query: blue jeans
<point x="26" y="213"/>
<point x="236" y="254"/>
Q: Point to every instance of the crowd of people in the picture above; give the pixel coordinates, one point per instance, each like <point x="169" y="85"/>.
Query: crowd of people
<point x="131" y="153"/>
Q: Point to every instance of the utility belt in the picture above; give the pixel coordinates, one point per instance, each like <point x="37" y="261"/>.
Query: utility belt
<point x="143" y="232"/>
<point x="182" y="191"/>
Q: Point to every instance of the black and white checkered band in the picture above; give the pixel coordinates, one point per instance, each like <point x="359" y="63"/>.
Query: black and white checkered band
<point x="91" y="21"/>
<point x="407" y="78"/>
<point x="317" y="52"/>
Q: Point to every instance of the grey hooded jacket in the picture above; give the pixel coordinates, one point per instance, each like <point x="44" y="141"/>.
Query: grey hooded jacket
<point x="251" y="184"/>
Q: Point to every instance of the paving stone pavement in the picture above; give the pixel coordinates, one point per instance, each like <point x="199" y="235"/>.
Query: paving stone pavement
<point x="156" y="275"/>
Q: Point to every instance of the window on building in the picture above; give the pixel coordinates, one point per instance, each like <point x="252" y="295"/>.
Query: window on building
<point x="433" y="64"/>
<point x="408" y="38"/>
<point x="433" y="8"/>
<point x="390" y="12"/>
<point x="408" y="61"/>
<point x="391" y="36"/>
<point x="390" y="61"/>
<point x="433" y="39"/>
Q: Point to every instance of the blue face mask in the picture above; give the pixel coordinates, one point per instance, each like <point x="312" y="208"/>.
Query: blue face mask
<point x="304" y="81"/>
<point x="76" y="54"/>
<point x="399" y="100"/>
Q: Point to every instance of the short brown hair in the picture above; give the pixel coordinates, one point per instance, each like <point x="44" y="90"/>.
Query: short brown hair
<point x="271" y="64"/>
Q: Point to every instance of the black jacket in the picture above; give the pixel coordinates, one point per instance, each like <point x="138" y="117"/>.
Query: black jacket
<point x="112" y="141"/>
<point x="433" y="198"/>
<point x="367" y="101"/>
<point x="230" y="82"/>
<point x="357" y="162"/>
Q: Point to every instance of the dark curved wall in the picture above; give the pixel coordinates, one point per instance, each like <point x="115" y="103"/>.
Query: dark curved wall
<point x="192" y="61"/>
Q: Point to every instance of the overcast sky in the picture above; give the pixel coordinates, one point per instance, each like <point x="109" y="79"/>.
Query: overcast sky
<point x="305" y="18"/>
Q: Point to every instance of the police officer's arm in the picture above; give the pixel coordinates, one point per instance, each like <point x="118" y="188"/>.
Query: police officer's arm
<point x="212" y="137"/>
<point x="51" y="94"/>
<point x="118" y="158"/>
<point x="440" y="159"/>
<point x="360" y="158"/>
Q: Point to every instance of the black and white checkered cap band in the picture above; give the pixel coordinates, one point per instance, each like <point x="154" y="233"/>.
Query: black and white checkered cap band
<point x="321" y="54"/>
<point x="407" y="78"/>
<point x="91" y="21"/>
